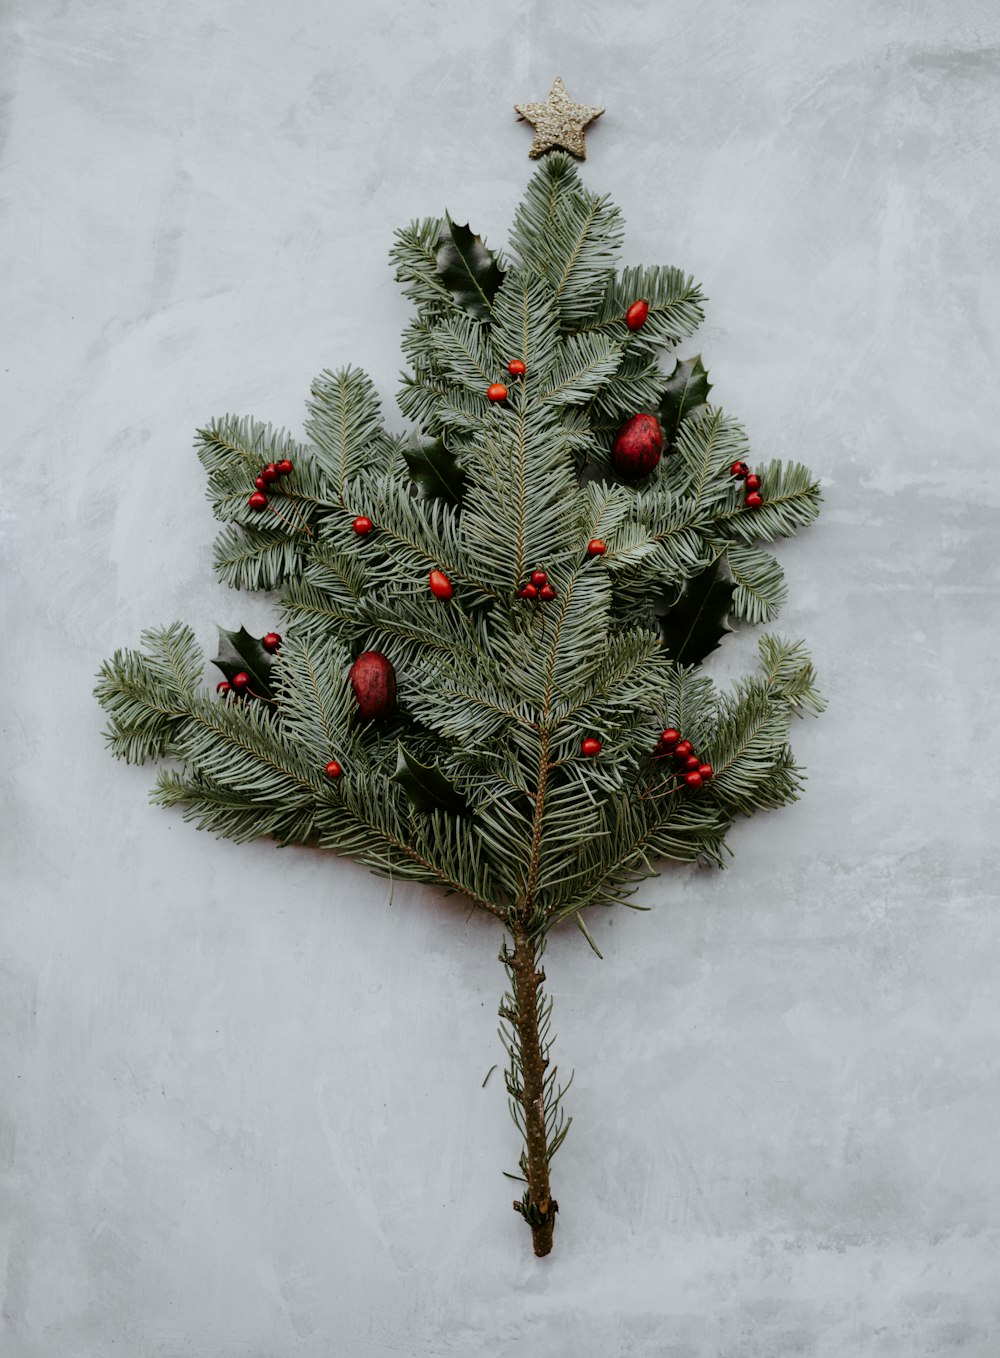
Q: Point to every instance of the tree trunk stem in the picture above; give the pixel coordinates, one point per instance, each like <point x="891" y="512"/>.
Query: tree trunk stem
<point x="538" y="1207"/>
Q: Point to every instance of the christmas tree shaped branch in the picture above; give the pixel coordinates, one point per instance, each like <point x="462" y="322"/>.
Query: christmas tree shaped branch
<point x="489" y="679"/>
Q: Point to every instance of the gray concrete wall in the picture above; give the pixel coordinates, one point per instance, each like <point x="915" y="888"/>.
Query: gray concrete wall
<point x="242" y="1113"/>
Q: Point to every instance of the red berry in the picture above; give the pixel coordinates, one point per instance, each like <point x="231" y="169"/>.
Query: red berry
<point x="693" y="779"/>
<point x="440" y="585"/>
<point x="635" y="317"/>
<point x="260" y="483"/>
<point x="284" y="467"/>
<point x="547" y="592"/>
<point x="538" y="578"/>
<point x="596" y="547"/>
<point x="683" y="749"/>
<point x="739" y="470"/>
<point x="374" y="683"/>
<point x="516" y="368"/>
<point x="692" y="763"/>
<point x="529" y="592"/>
<point x="753" y="483"/>
<point x="257" y="500"/>
<point x="754" y="500"/>
<point x="706" y="772"/>
<point x="240" y="681"/>
<point x="362" y="525"/>
<point x="496" y="392"/>
<point x="637" y="446"/>
<point x="333" y="769"/>
<point x="271" y="641"/>
<point x="224" y="687"/>
<point x="670" y="737"/>
<point x="270" y="472"/>
<point x="590" y="746"/>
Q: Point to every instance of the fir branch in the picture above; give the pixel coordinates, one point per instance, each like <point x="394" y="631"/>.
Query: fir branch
<point x="675" y="307"/>
<point x="760" y="583"/>
<point x="147" y="696"/>
<point x="791" y="501"/>
<point x="789" y="674"/>
<point x="345" y="423"/>
<point x="585" y="365"/>
<point x="256" y="558"/>
<point x="414" y="254"/>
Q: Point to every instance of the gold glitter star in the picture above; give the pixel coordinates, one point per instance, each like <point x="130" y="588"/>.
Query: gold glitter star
<point x="558" y="123"/>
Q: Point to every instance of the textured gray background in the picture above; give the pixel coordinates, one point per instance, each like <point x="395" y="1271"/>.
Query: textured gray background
<point x="242" y="1104"/>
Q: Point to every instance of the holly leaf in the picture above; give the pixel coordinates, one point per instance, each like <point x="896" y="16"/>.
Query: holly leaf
<point x="467" y="268"/>
<point x="693" y="625"/>
<point x="435" y="470"/>
<point x="240" y="651"/>
<point x="687" y="389"/>
<point x="426" y="787"/>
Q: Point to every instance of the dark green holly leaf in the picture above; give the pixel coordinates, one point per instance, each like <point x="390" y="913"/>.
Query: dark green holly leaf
<point x="693" y="624"/>
<point x="687" y="389"/>
<point x="426" y="787"/>
<point x="468" y="269"/>
<point x="435" y="470"/>
<point x="240" y="651"/>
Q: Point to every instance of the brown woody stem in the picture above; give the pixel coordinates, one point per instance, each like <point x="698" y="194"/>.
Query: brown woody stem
<point x="537" y="1206"/>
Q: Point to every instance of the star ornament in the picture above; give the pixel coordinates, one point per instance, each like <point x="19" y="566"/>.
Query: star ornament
<point x="558" y="123"/>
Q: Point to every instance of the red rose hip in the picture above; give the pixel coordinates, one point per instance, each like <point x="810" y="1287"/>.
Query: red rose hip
<point x="635" y="317"/>
<point x="496" y="391"/>
<point x="440" y="585"/>
<point x="516" y="367"/>
<point x="596" y="547"/>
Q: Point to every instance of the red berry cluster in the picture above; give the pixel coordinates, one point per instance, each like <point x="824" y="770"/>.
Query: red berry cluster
<point x="538" y="587"/>
<point x="496" y="391"/>
<point x="742" y="472"/>
<point x="690" y="768"/>
<point x="239" y="685"/>
<point x="258" y="500"/>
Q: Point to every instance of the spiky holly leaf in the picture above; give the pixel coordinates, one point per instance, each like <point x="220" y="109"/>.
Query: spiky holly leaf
<point x="687" y="389"/>
<point x="435" y="470"/>
<point x="426" y="787"/>
<point x="467" y="268"/>
<point x="240" y="651"/>
<point x="694" y="623"/>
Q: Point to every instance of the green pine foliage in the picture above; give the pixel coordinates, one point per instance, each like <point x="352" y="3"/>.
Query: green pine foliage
<point x="477" y="783"/>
